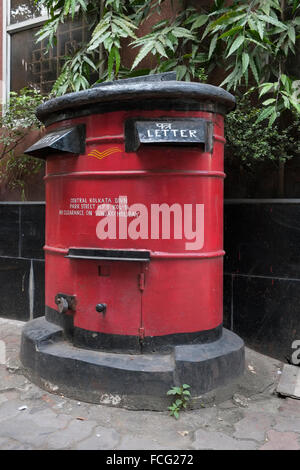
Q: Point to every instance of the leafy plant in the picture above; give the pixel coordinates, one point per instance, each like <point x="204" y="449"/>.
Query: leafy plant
<point x="17" y="170"/>
<point x="249" y="143"/>
<point x="109" y="25"/>
<point x="16" y="122"/>
<point x="181" y="402"/>
<point x="17" y="116"/>
<point x="74" y="73"/>
<point x="285" y="93"/>
<point x="256" y="155"/>
<point x="171" y="43"/>
<point x="253" y="41"/>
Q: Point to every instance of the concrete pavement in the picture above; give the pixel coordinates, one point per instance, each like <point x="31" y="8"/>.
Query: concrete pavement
<point x="253" y="417"/>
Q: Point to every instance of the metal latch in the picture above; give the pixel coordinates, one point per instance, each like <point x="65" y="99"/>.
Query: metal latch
<point x="65" y="302"/>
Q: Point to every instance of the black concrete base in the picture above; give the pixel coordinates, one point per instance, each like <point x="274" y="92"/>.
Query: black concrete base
<point x="125" y="380"/>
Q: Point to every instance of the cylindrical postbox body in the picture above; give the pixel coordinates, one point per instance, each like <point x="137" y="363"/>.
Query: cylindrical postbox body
<point x="134" y="214"/>
<point x="135" y="221"/>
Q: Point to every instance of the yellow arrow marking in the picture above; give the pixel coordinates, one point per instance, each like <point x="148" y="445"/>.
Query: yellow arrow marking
<point x="105" y="153"/>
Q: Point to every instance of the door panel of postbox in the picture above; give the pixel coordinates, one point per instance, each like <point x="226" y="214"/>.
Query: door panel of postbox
<point x="115" y="284"/>
<point x="183" y="297"/>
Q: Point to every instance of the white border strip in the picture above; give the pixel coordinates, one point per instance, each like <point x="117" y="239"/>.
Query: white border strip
<point x="6" y="44"/>
<point x="4" y="51"/>
<point x="32" y="23"/>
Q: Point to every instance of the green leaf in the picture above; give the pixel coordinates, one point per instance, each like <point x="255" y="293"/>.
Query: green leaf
<point x="231" y="32"/>
<point x="200" y="21"/>
<point x="111" y="59"/>
<point x="91" y="64"/>
<point x="228" y="18"/>
<point x="67" y="7"/>
<point x="83" y="5"/>
<point x="245" y="61"/>
<point x="160" y="49"/>
<point x="265" y="88"/>
<point x="171" y="392"/>
<point x="264" y="114"/>
<point x="159" y="25"/>
<point x="182" y="33"/>
<point x="118" y="60"/>
<point x="229" y="79"/>
<point x="180" y="73"/>
<point x="125" y="27"/>
<point x="287" y="82"/>
<point x="95" y="43"/>
<point x="260" y="29"/>
<point x="100" y="29"/>
<point x="235" y="45"/>
<point x="271" y="20"/>
<point x="292" y="34"/>
<point x="269" y="101"/>
<point x="212" y="45"/>
<point x="296" y="105"/>
<point x="253" y="69"/>
<point x="272" y="118"/>
<point x="142" y="54"/>
<point x="295" y="5"/>
<point x="265" y="6"/>
<point x="280" y="42"/>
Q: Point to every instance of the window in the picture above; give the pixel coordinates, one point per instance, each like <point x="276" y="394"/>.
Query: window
<point x="27" y="63"/>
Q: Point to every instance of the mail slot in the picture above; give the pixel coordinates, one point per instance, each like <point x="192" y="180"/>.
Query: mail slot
<point x="172" y="131"/>
<point x="134" y="211"/>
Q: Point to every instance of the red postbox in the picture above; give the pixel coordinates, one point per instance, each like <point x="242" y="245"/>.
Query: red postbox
<point x="134" y="243"/>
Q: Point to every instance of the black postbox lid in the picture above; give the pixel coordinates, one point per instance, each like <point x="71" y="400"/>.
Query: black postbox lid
<point x="147" y="92"/>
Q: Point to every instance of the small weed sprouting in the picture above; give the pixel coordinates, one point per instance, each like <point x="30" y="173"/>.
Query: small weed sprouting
<point x="183" y="396"/>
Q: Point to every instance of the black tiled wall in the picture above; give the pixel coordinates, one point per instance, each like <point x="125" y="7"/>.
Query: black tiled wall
<point x="262" y="273"/>
<point x="9" y="230"/>
<point x="261" y="269"/>
<point x="22" y="235"/>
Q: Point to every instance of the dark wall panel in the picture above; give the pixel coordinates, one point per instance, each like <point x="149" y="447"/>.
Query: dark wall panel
<point x="262" y="273"/>
<point x="262" y="239"/>
<point x="265" y="312"/>
<point x="22" y="266"/>
<point x="32" y="231"/>
<point x="9" y="230"/>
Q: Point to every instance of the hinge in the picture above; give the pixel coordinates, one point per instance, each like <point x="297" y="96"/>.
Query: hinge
<point x="141" y="281"/>
<point x="141" y="333"/>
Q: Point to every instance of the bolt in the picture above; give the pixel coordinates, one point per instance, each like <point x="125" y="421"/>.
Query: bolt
<point x="101" y="308"/>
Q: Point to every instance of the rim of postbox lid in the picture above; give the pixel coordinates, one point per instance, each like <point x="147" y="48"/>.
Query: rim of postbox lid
<point x="155" y="91"/>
